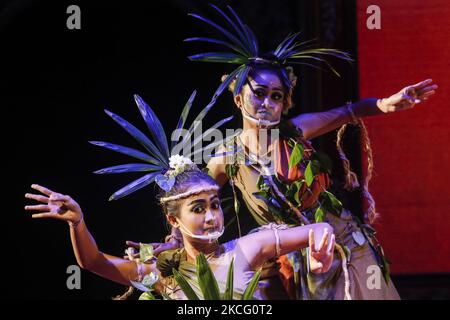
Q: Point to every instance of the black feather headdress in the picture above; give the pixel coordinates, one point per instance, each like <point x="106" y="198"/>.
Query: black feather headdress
<point x="243" y="50"/>
<point x="157" y="160"/>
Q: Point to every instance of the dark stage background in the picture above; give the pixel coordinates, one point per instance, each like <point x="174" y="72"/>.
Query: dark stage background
<point x="56" y="83"/>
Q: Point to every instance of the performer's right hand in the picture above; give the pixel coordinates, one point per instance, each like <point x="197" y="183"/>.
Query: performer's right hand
<point x="54" y="205"/>
<point x="321" y="257"/>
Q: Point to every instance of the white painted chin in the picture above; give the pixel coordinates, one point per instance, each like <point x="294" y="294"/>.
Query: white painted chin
<point x="262" y="114"/>
<point x="259" y="120"/>
<point x="214" y="235"/>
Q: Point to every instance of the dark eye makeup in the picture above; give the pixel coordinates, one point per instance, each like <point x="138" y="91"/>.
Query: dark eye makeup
<point x="261" y="91"/>
<point x="200" y="208"/>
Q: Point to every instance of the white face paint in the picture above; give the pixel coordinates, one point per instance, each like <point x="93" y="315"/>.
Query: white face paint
<point x="201" y="216"/>
<point x="263" y="100"/>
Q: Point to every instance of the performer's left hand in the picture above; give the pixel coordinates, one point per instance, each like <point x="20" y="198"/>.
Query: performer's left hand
<point x="408" y="97"/>
<point x="157" y="248"/>
<point x="321" y="257"/>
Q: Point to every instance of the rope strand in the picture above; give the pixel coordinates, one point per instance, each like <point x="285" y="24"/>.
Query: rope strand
<point x="345" y="269"/>
<point x="351" y="179"/>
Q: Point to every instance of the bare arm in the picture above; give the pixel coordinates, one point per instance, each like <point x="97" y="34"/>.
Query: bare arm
<point x="318" y="123"/>
<point x="89" y="257"/>
<point x="113" y="268"/>
<point x="261" y="246"/>
<point x="216" y="167"/>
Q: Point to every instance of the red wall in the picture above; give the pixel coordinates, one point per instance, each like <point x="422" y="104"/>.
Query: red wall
<point x="411" y="183"/>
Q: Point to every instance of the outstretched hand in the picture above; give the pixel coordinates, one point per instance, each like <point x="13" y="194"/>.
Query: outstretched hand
<point x="321" y="257"/>
<point x="54" y="205"/>
<point x="408" y="97"/>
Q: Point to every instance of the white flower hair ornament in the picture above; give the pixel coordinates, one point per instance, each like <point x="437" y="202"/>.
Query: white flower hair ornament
<point x="178" y="164"/>
<point x="158" y="164"/>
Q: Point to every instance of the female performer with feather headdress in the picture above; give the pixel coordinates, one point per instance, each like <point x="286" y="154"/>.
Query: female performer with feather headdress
<point x="203" y="268"/>
<point x="276" y="172"/>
